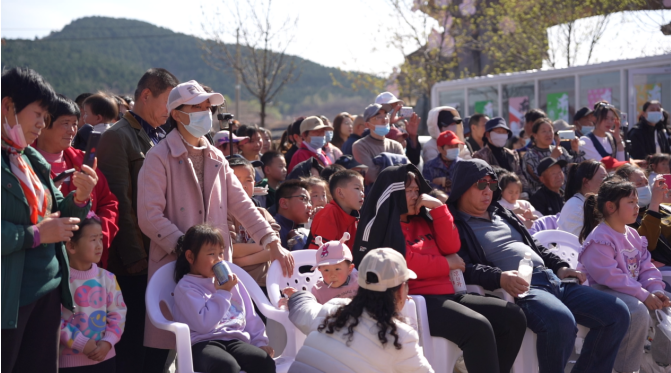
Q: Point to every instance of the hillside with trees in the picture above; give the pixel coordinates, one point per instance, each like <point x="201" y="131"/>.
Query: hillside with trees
<point x="109" y="54"/>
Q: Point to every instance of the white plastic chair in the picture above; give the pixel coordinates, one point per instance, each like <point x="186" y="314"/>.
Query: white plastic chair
<point x="564" y="244"/>
<point x="527" y="358"/>
<point x="441" y="353"/>
<point x="283" y="362"/>
<point x="275" y="281"/>
<point x="159" y="296"/>
<point x="160" y="301"/>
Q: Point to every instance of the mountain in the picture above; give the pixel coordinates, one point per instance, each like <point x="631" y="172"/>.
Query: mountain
<point x="111" y="54"/>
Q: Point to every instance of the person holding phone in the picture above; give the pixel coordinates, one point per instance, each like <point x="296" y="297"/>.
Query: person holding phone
<point x="542" y="132"/>
<point x="653" y="216"/>
<point x="121" y="154"/>
<point x="36" y="221"/>
<point x="605" y="140"/>
<point x="54" y="145"/>
<point x="616" y="260"/>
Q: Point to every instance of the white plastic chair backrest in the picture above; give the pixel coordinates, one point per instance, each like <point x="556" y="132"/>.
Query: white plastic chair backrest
<point x="664" y="318"/>
<point x="159" y="301"/>
<point x="275" y="281"/>
<point x="252" y="287"/>
<point x="160" y="291"/>
<point x="564" y="244"/>
<point x="409" y="312"/>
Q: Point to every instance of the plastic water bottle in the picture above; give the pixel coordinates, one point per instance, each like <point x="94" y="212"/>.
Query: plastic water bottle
<point x="525" y="271"/>
<point x="458" y="282"/>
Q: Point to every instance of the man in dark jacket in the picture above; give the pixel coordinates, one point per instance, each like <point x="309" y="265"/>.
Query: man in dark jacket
<point x="493" y="241"/>
<point x="121" y="154"/>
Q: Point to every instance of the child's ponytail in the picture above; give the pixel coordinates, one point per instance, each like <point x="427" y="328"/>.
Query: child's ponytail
<point x="182" y="265"/>
<point x="592" y="216"/>
<point x="612" y="190"/>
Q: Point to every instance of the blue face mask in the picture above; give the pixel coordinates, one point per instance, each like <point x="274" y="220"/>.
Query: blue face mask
<point x="587" y="129"/>
<point x="200" y="123"/>
<point x="329" y="136"/>
<point x="382" y="130"/>
<point x="317" y="142"/>
<point x="654" y="116"/>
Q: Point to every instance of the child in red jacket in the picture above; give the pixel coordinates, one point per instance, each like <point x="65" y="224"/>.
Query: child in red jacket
<point x="342" y="213"/>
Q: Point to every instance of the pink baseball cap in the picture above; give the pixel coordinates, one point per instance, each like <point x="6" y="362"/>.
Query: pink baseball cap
<point x="191" y="93"/>
<point x="332" y="252"/>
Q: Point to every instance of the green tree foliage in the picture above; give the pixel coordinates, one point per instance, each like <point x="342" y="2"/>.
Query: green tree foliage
<point x="101" y="53"/>
<point x="455" y="39"/>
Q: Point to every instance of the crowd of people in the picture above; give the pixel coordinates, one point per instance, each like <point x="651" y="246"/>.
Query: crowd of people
<point x="386" y="215"/>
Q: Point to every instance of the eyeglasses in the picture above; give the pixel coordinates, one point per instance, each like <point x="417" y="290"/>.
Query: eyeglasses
<point x="483" y="183"/>
<point x="303" y="197"/>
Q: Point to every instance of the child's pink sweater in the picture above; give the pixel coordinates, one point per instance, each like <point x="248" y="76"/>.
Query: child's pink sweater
<point x="100" y="314"/>
<point x="620" y="261"/>
<point x="324" y="293"/>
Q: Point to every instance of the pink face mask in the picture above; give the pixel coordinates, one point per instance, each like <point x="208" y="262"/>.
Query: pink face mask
<point x="15" y="133"/>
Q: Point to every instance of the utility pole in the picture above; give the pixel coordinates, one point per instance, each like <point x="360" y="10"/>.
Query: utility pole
<point x="237" y="74"/>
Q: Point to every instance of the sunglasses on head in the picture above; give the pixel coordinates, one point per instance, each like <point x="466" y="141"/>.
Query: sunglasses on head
<point x="604" y="105"/>
<point x="483" y="183"/>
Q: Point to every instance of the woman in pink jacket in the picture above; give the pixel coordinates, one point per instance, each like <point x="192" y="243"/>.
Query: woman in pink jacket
<point x="617" y="261"/>
<point x="186" y="181"/>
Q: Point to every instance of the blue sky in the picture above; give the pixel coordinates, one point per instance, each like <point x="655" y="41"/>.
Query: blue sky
<point x="350" y="34"/>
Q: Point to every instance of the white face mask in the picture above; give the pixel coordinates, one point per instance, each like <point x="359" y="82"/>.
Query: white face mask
<point x="200" y="123"/>
<point x="452" y="154"/>
<point x="498" y="139"/>
<point x="654" y="116"/>
<point x="644" y="196"/>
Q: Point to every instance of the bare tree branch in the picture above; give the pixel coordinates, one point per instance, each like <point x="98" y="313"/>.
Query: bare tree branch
<point x="263" y="65"/>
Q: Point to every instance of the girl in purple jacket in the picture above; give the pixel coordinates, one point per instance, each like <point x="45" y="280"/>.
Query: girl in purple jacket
<point x="617" y="261"/>
<point x="226" y="333"/>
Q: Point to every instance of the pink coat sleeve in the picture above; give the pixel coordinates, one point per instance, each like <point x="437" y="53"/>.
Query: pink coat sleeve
<point x="600" y="262"/>
<point x="151" y="203"/>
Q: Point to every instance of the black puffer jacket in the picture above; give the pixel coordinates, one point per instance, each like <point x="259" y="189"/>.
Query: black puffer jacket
<point x="479" y="271"/>
<point x="642" y="137"/>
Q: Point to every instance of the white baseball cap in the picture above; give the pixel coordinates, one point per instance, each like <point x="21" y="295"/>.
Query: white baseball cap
<point x="388" y="265"/>
<point x="386" y="98"/>
<point x="191" y="93"/>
